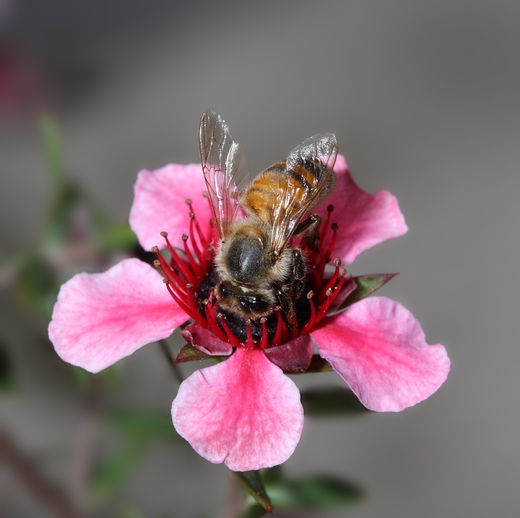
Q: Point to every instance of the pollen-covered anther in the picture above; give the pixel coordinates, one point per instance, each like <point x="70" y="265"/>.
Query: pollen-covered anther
<point x="184" y="237"/>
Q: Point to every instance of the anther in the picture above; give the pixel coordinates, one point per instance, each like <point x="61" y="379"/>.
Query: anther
<point x="330" y="208"/>
<point x="191" y="215"/>
<point x="188" y="202"/>
<point x="310" y="295"/>
<point x="164" y="234"/>
<point x="328" y="293"/>
<point x="189" y="286"/>
<point x="184" y="237"/>
<point x="337" y="262"/>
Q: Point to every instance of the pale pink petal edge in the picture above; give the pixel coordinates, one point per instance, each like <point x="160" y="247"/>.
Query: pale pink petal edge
<point x="244" y="412"/>
<point x="101" y="318"/>
<point x="379" y="349"/>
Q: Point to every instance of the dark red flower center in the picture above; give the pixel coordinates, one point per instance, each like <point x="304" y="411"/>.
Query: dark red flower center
<point x="191" y="279"/>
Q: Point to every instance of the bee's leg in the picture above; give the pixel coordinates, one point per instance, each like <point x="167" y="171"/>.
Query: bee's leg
<point x="288" y="294"/>
<point x="299" y="277"/>
<point x="311" y="230"/>
<point x="282" y="293"/>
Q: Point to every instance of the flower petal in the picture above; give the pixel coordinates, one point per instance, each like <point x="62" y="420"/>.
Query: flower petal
<point x="206" y="341"/>
<point x="160" y="204"/>
<point x="293" y="356"/>
<point x="103" y="317"/>
<point x="364" y="220"/>
<point x="379" y="349"/>
<point x="244" y="412"/>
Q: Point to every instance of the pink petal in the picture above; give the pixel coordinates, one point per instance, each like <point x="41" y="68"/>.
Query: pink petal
<point x="102" y="317"/>
<point x="293" y="356"/>
<point x="364" y="220"/>
<point x="244" y="412"/>
<point x="379" y="349"/>
<point x="206" y="341"/>
<point x="160" y="204"/>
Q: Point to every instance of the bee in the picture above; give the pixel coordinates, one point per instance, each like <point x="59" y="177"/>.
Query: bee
<point x="258" y="267"/>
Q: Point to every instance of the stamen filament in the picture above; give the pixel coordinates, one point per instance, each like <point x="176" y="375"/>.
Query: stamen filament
<point x="188" y="274"/>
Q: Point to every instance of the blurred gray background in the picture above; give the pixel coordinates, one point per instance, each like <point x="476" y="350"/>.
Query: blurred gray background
<point x="424" y="99"/>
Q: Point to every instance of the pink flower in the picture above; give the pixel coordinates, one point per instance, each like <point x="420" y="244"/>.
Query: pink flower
<point x="245" y="411"/>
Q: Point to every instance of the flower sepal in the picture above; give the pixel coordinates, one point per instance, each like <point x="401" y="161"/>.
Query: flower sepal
<point x="294" y="356"/>
<point x="365" y="286"/>
<point x="188" y="353"/>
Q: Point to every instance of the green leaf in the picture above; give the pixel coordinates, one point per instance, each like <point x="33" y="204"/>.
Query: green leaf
<point x="254" y="511"/>
<point x="7" y="375"/>
<point x="117" y="238"/>
<point x="318" y="364"/>
<point x="365" y="286"/>
<point x="52" y="149"/>
<point x="113" y="472"/>
<point x="331" y="401"/>
<point x="273" y="474"/>
<point x="252" y="482"/>
<point x="314" y="492"/>
<point x="189" y="354"/>
<point x="143" y="426"/>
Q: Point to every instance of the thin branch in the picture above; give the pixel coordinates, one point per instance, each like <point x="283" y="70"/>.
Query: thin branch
<point x="171" y="360"/>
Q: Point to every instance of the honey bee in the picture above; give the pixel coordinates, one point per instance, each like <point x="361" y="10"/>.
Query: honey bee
<point x="258" y="268"/>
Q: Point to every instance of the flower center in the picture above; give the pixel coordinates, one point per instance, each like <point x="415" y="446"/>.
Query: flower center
<point x="191" y="279"/>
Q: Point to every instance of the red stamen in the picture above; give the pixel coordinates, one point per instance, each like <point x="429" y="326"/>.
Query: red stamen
<point x="263" y="340"/>
<point x="250" y="344"/>
<point x="325" y="227"/>
<point x="188" y="274"/>
<point x="280" y="324"/>
<point x="194" y="265"/>
<point x="196" y="248"/>
<point x="334" y="228"/>
<point x="331" y="283"/>
<point x="202" y="238"/>
<point x="233" y="340"/>
<point x="168" y="272"/>
<point x="211" y="317"/>
<point x="309" y="325"/>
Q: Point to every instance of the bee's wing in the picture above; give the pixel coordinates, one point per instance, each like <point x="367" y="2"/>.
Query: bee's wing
<point x="224" y="167"/>
<point x="310" y="166"/>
